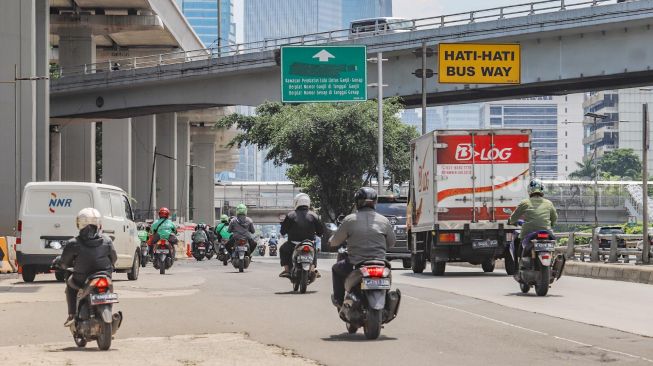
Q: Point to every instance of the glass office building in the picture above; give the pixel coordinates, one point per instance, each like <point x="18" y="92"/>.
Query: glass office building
<point x="364" y="9"/>
<point x="203" y="17"/>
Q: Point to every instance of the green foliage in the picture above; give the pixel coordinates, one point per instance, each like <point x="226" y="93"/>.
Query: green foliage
<point x="332" y="148"/>
<point x="585" y="170"/>
<point x="614" y="165"/>
<point x="633" y="229"/>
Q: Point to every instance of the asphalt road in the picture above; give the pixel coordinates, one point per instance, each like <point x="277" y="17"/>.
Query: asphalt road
<point x="464" y="318"/>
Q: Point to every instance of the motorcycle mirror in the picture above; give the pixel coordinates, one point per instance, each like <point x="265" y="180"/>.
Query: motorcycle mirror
<point x="507" y="211"/>
<point x="331" y="226"/>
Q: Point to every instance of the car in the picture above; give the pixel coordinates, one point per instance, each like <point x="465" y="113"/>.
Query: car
<point x="381" y="25"/>
<point x="46" y="221"/>
<point x="394" y="208"/>
<point x="604" y="243"/>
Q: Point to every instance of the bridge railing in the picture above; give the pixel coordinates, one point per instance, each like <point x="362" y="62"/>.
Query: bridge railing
<point x="208" y="54"/>
<point x="577" y="248"/>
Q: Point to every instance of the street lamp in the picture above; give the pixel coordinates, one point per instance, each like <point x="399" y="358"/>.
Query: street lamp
<point x="646" y="245"/>
<point x="595" y="117"/>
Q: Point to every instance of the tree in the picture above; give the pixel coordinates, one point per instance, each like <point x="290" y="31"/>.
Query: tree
<point x="331" y="148"/>
<point x="585" y="170"/>
<point x="622" y="163"/>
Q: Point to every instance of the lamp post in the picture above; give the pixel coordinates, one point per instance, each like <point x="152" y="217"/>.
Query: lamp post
<point x="646" y="245"/>
<point x="595" y="117"/>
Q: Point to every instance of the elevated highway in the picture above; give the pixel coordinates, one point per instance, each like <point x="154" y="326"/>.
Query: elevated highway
<point x="567" y="47"/>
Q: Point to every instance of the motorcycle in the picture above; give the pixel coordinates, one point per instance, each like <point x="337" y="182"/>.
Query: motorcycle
<point x="223" y="254"/>
<point x="302" y="272"/>
<point x="369" y="303"/>
<point x="162" y="256"/>
<point x="261" y="250"/>
<point x="240" y="258"/>
<point x="542" y="267"/>
<point x="199" y="251"/>
<point x="272" y="250"/>
<point x="210" y="250"/>
<point x="145" y="254"/>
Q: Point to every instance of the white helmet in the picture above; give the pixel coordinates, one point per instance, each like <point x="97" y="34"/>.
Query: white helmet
<point x="89" y="216"/>
<point x="302" y="199"/>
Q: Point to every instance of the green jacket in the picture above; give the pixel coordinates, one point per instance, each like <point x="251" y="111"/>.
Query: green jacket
<point x="142" y="235"/>
<point x="222" y="230"/>
<point x="164" y="228"/>
<point x="538" y="213"/>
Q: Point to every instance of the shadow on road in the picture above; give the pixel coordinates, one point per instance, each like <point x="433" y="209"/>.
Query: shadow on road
<point x="81" y="349"/>
<point x="530" y="294"/>
<point x="358" y="337"/>
<point x="454" y="275"/>
<point x="295" y="293"/>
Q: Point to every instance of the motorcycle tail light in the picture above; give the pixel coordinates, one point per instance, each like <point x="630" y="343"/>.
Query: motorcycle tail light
<point x="162" y="242"/>
<point x="545" y="256"/>
<point x="542" y="235"/>
<point x="101" y="284"/>
<point x="373" y="271"/>
<point x="306" y="249"/>
<point x="241" y="241"/>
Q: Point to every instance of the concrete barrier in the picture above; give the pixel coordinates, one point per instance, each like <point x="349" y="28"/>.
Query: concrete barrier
<point x="7" y="263"/>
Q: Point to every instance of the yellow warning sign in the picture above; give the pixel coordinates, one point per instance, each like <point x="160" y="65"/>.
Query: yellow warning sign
<point x="469" y="63"/>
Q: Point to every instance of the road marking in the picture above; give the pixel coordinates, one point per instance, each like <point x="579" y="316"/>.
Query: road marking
<point x="528" y="329"/>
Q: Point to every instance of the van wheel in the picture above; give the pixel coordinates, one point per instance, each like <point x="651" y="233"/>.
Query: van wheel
<point x="29" y="274"/>
<point x="136" y="267"/>
<point x="438" y="268"/>
<point x="406" y="263"/>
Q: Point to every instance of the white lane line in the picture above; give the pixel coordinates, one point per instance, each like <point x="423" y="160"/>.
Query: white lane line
<point x="528" y="329"/>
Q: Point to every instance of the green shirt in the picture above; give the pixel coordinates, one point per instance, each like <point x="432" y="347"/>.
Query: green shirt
<point x="222" y="230"/>
<point x="164" y="228"/>
<point x="538" y="214"/>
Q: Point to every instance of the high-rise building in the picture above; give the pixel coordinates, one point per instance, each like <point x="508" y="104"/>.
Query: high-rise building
<point x="265" y="19"/>
<point x="622" y="129"/>
<point x="203" y="17"/>
<point x="363" y="9"/>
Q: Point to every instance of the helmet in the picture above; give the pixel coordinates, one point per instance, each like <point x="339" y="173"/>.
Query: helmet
<point x="241" y="209"/>
<point x="89" y="216"/>
<point x="365" y="197"/>
<point x="164" y="213"/>
<point x="302" y="199"/>
<point x="224" y="218"/>
<point x="200" y="225"/>
<point x="535" y="187"/>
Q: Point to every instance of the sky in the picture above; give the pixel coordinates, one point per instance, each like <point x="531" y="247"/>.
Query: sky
<point x="409" y="9"/>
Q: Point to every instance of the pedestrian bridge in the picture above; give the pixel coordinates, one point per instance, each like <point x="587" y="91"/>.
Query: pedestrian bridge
<point x="567" y="46"/>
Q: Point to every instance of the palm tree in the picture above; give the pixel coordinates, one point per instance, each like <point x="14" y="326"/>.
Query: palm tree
<point x="585" y="170"/>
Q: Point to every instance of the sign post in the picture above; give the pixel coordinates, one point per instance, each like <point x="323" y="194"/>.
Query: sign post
<point x="312" y="74"/>
<point x="469" y="63"/>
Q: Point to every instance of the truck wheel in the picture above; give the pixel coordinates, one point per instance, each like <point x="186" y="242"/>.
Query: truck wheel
<point x="509" y="263"/>
<point x="29" y="274"/>
<point x="488" y="265"/>
<point x="406" y="263"/>
<point x="438" y="268"/>
<point x="417" y="263"/>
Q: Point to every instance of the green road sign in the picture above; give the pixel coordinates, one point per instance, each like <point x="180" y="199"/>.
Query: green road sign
<point x="323" y="74"/>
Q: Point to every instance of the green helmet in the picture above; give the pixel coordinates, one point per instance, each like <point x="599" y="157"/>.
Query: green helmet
<point x="241" y="209"/>
<point x="535" y="187"/>
<point x="224" y="218"/>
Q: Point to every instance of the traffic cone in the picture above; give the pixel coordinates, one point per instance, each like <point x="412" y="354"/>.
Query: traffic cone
<point x="188" y="253"/>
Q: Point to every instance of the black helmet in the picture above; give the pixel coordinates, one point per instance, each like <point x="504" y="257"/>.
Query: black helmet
<point x="365" y="197"/>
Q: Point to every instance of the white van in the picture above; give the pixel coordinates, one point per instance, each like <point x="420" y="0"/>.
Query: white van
<point x="47" y="221"/>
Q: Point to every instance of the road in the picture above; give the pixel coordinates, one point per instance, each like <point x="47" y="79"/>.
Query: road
<point x="204" y="313"/>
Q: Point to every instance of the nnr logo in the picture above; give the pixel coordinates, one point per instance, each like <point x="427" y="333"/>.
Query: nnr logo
<point x="465" y="152"/>
<point x="58" y="202"/>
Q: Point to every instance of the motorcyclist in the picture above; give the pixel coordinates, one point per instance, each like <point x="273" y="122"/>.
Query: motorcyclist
<point x="273" y="240"/>
<point x="222" y="229"/>
<point x="241" y="227"/>
<point x="88" y="253"/>
<point x="164" y="228"/>
<point x="539" y="215"/>
<point x="368" y="236"/>
<point x="300" y="224"/>
<point x="199" y="235"/>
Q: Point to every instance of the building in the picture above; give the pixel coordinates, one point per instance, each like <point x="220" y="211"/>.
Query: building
<point x="462" y="116"/>
<point x="363" y="9"/>
<point x="555" y="122"/>
<point x="203" y="17"/>
<point x="622" y="129"/>
<point x="265" y="19"/>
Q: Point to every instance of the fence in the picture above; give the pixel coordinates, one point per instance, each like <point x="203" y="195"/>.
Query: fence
<point x="632" y="247"/>
<point x="498" y="13"/>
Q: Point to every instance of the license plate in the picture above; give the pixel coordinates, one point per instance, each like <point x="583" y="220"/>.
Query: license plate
<point x="200" y="248"/>
<point x="483" y="244"/>
<point x="375" y="284"/>
<point x="162" y="251"/>
<point x="305" y="259"/>
<point x="108" y="298"/>
<point x="241" y="249"/>
<point x="544" y="246"/>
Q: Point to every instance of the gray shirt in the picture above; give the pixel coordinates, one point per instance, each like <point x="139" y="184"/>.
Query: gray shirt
<point x="242" y="227"/>
<point x="368" y="235"/>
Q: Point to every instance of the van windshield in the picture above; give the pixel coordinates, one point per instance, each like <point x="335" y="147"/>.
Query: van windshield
<point x="56" y="202"/>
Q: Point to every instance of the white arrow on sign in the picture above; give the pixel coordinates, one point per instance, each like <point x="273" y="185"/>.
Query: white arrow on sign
<point x="323" y="56"/>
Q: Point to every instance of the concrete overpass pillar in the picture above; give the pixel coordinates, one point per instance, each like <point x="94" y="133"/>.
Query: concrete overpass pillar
<point x="143" y="141"/>
<point x="17" y="106"/>
<point x="117" y="153"/>
<point x="42" y="8"/>
<point x="76" y="47"/>
<point x="55" y="153"/>
<point x="203" y="188"/>
<point x="166" y="171"/>
<point x="183" y="168"/>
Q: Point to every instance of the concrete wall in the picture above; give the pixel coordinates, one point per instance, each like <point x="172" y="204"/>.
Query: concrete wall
<point x="203" y="155"/>
<point x="166" y="160"/>
<point x="117" y="153"/>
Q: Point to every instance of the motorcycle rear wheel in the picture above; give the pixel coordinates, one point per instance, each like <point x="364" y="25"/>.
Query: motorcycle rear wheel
<point x="80" y="341"/>
<point x="162" y="267"/>
<point x="542" y="286"/>
<point x="351" y="329"/>
<point x="372" y="326"/>
<point x="303" y="282"/>
<point x="241" y="266"/>
<point x="524" y="288"/>
<point x="295" y="286"/>
<point x="104" y="338"/>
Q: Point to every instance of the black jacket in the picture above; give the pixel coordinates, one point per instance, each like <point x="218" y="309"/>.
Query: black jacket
<point x="89" y="256"/>
<point x="301" y="224"/>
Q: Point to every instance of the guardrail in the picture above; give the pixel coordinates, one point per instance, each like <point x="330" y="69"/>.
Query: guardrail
<point x="484" y="15"/>
<point x="594" y="253"/>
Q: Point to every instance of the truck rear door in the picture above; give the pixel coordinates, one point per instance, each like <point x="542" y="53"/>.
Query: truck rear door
<point x="422" y="192"/>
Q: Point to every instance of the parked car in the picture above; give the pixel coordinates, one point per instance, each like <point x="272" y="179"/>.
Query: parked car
<point x="604" y="243"/>
<point x="394" y="208"/>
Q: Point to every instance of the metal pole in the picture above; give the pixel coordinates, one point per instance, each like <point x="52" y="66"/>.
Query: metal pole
<point x="423" y="88"/>
<point x="646" y="244"/>
<point x="379" y="57"/>
<point x="149" y="207"/>
<point x="596" y="183"/>
<point x="219" y="27"/>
